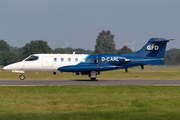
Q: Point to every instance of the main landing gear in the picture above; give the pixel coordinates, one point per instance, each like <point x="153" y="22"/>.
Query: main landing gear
<point x="54" y="73"/>
<point x="92" y="74"/>
<point x="126" y="70"/>
<point x="93" y="79"/>
<point x="21" y="77"/>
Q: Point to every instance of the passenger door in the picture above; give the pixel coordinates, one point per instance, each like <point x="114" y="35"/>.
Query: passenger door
<point x="47" y="61"/>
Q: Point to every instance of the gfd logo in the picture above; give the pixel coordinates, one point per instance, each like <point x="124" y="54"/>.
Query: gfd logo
<point x="153" y="47"/>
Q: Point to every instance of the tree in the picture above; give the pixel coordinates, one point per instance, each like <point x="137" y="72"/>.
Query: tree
<point x="178" y="58"/>
<point x="9" y="57"/>
<point x="64" y="50"/>
<point x="35" y="47"/>
<point x="15" y="49"/>
<point x="71" y="50"/>
<point x="1" y="59"/>
<point x="173" y="50"/>
<point x="125" y="49"/>
<point x="105" y="43"/>
<point x="4" y="46"/>
<point x="170" y="59"/>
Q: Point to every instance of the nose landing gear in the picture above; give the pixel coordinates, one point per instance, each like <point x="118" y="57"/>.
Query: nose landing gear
<point x="21" y="77"/>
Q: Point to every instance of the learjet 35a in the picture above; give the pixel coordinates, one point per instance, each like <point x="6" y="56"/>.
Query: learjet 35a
<point x="85" y="64"/>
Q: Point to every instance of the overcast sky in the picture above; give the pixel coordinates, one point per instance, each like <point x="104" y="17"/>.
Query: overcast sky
<point x="22" y="21"/>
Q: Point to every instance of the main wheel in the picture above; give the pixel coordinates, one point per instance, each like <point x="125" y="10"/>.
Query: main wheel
<point x="93" y="79"/>
<point x="21" y="77"/>
<point x="54" y="73"/>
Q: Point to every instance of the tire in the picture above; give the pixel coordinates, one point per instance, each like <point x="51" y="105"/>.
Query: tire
<point x="93" y="79"/>
<point x="21" y="77"/>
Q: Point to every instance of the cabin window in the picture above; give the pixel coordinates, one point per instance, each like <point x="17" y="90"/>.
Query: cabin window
<point x="69" y="59"/>
<point x="55" y="59"/>
<point x="32" y="58"/>
<point x="76" y="60"/>
<point x="62" y="59"/>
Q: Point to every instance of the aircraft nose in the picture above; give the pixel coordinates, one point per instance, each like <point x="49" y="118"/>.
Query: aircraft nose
<point x="8" y="67"/>
<point x="5" y="68"/>
<point x="15" y="66"/>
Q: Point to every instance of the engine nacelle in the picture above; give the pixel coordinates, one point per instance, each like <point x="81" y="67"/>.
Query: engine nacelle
<point x="114" y="59"/>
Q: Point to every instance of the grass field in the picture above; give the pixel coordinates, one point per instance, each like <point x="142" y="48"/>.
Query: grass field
<point x="90" y="102"/>
<point x="124" y="102"/>
<point x="150" y="72"/>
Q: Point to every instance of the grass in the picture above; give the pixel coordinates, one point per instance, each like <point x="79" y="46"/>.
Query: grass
<point x="123" y="102"/>
<point x="90" y="102"/>
<point x="150" y="72"/>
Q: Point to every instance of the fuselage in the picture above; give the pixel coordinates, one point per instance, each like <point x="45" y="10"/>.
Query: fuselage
<point x="76" y="62"/>
<point x="46" y="62"/>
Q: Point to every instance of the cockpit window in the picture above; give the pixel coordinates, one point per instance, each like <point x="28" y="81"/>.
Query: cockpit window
<point x="32" y="58"/>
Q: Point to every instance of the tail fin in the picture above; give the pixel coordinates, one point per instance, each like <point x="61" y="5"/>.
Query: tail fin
<point x="155" y="47"/>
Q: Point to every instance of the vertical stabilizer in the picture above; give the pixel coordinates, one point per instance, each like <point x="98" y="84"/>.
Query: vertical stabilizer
<point x="155" y="47"/>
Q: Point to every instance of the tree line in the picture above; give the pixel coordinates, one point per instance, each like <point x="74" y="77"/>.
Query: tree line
<point x="9" y="54"/>
<point x="172" y="57"/>
<point x="104" y="44"/>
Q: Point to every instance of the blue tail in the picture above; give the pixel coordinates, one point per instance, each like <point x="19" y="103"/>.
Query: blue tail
<point x="155" y="47"/>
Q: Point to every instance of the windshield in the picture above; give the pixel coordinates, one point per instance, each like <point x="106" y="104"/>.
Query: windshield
<point x="31" y="58"/>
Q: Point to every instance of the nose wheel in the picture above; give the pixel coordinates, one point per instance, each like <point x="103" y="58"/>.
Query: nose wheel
<point x="22" y="77"/>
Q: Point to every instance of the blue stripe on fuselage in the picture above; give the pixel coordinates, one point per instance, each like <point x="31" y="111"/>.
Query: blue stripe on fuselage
<point x="88" y="58"/>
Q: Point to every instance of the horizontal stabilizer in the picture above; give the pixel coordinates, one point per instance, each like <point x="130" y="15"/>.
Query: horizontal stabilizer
<point x="152" y="62"/>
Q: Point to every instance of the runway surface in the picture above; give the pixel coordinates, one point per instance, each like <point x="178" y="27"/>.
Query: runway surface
<point x="86" y="82"/>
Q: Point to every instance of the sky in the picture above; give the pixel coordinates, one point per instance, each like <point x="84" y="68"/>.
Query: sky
<point x="80" y="21"/>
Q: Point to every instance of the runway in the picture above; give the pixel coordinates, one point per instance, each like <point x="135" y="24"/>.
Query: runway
<point x="87" y="82"/>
